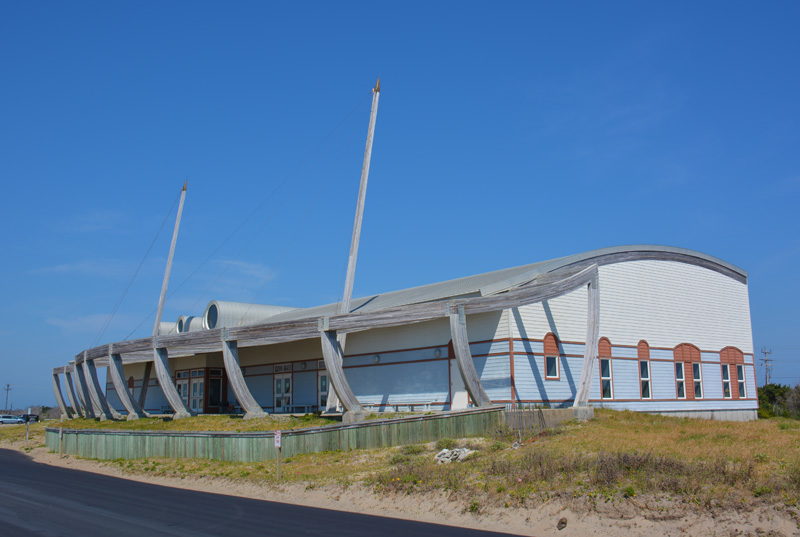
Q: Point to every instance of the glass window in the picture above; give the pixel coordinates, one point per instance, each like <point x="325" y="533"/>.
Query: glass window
<point x="644" y="378"/>
<point x="697" y="373"/>
<point x="287" y="385"/>
<point x="606" y="388"/>
<point x="551" y="367"/>
<point x="726" y="381"/>
<point x="740" y="378"/>
<point x="680" y="388"/>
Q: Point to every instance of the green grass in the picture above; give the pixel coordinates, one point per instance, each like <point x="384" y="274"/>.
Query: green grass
<point x="205" y="423"/>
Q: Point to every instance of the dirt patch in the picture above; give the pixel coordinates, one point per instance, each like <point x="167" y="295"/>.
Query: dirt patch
<point x="640" y="516"/>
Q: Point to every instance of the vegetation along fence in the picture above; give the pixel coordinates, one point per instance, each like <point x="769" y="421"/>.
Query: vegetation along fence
<point x="258" y="446"/>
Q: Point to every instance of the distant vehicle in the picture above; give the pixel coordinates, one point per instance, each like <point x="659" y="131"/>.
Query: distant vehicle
<point x="30" y="418"/>
<point x="9" y="419"/>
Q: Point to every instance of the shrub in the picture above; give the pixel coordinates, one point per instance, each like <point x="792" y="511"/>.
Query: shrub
<point x="414" y="449"/>
<point x="445" y="443"/>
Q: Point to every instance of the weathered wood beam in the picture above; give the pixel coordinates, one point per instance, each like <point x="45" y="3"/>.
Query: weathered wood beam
<point x="73" y="398"/>
<point x="332" y="354"/>
<point x="97" y="394"/>
<point x="66" y="413"/>
<point x="116" y="373"/>
<point x="592" y="337"/>
<point x="472" y="382"/>
<point x="148" y="370"/>
<point x="164" y="376"/>
<point x="230" y="357"/>
<point x="83" y="392"/>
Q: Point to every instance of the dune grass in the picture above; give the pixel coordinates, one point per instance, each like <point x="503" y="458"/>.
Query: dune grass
<point x="204" y="423"/>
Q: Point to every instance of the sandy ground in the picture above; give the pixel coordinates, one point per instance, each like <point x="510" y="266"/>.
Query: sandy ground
<point x="635" y="517"/>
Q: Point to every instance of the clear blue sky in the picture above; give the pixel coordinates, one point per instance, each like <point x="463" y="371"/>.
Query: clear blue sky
<point x="507" y="134"/>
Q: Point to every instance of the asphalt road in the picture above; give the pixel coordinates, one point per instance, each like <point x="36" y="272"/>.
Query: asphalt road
<point x="36" y="499"/>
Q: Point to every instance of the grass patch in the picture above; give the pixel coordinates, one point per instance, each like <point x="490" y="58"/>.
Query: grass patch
<point x="205" y="423"/>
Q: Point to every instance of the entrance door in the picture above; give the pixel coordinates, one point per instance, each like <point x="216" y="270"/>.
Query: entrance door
<point x="323" y="390"/>
<point x="182" y="385"/>
<point x="196" y="395"/>
<point x="283" y="392"/>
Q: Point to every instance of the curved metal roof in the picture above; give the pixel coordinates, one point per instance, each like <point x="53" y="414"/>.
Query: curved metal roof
<point x="501" y="280"/>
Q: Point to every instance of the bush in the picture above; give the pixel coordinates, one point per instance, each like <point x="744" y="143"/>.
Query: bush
<point x="414" y="449"/>
<point x="445" y="443"/>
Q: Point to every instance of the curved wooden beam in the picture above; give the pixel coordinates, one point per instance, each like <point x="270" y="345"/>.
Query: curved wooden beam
<point x="83" y="392"/>
<point x="148" y="370"/>
<point x="230" y="357"/>
<point x="332" y="354"/>
<point x="466" y="366"/>
<point x="98" y="393"/>
<point x="73" y="398"/>
<point x="164" y="376"/>
<point x="66" y="413"/>
<point x="115" y="371"/>
<point x="592" y="337"/>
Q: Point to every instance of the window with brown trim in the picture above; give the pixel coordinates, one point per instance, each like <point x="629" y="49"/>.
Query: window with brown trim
<point x="551" y="371"/>
<point x="680" y="382"/>
<point x="697" y="379"/>
<point x="644" y="379"/>
<point x="740" y="381"/>
<point x="606" y="384"/>
<point x="726" y="381"/>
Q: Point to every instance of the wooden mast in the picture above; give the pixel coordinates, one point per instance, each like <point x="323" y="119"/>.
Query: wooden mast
<point x="168" y="269"/>
<point x="344" y="305"/>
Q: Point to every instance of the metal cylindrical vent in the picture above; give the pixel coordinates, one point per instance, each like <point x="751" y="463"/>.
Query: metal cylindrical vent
<point x="167" y="328"/>
<point x="221" y="314"/>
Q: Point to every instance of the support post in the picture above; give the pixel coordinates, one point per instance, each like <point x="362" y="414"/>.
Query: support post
<point x="115" y="371"/>
<point x="230" y="357"/>
<point x="98" y="394"/>
<point x="165" y="282"/>
<point x="83" y="391"/>
<point x="164" y="376"/>
<point x="332" y="354"/>
<point x="65" y="412"/>
<point x="472" y="382"/>
<point x="73" y="398"/>
<point x="592" y="337"/>
<point x="148" y="370"/>
<point x="344" y="305"/>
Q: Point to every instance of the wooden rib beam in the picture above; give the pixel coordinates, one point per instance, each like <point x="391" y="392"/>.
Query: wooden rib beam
<point x="116" y="372"/>
<point x="73" y="398"/>
<point x="66" y="413"/>
<point x="83" y="392"/>
<point x="164" y="376"/>
<point x="230" y="357"/>
<point x="148" y="370"/>
<point x="97" y="394"/>
<point x="592" y="337"/>
<point x="472" y="382"/>
<point x="332" y="354"/>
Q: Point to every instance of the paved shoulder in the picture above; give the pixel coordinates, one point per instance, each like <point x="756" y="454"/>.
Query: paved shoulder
<point x="41" y="500"/>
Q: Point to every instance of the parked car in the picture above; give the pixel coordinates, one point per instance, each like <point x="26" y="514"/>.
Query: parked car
<point x="9" y="419"/>
<point x="30" y="418"/>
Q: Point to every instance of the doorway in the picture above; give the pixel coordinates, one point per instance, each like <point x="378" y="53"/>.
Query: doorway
<point x="283" y="392"/>
<point x="322" y="390"/>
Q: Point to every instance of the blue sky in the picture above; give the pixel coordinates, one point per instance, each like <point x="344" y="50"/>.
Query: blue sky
<point x="508" y="133"/>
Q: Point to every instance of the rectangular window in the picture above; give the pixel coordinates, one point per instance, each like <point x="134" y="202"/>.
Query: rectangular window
<point x="740" y="378"/>
<point x="644" y="378"/>
<point x="680" y="385"/>
<point x="726" y="381"/>
<point x="606" y="388"/>
<point x="697" y="372"/>
<point x="551" y="367"/>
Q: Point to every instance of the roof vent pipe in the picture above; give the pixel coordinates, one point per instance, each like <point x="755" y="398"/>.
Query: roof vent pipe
<point x="231" y="314"/>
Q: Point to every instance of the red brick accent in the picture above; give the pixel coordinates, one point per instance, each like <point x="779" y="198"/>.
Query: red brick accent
<point x="551" y="345"/>
<point x="732" y="356"/>
<point x="687" y="353"/>
<point x="643" y="349"/>
<point x="604" y="348"/>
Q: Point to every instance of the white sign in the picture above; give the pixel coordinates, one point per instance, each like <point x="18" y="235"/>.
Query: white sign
<point x="277" y="439"/>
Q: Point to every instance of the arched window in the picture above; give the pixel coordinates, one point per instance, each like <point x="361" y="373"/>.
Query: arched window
<point x="552" y="371"/>
<point x="645" y="386"/>
<point x="733" y="374"/>
<point x="688" y="372"/>
<point x="606" y="373"/>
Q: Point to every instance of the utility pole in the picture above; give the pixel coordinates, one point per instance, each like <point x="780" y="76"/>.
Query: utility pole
<point x="767" y="363"/>
<point x="7" y="389"/>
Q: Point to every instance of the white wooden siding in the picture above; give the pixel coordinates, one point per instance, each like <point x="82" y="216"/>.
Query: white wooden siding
<point x="304" y="391"/>
<point x="625" y="379"/>
<point x="712" y="381"/>
<point x="419" y="383"/>
<point x="495" y="375"/>
<point x="662" y="380"/>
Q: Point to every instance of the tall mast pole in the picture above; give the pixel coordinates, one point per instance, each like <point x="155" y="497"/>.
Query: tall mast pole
<point x="344" y="305"/>
<point x="168" y="269"/>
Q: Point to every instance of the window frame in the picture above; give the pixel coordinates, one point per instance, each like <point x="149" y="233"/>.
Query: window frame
<point x="609" y="378"/>
<point x="558" y="368"/>
<point x="680" y="381"/>
<point x="741" y="381"/>
<point x="646" y="379"/>
<point x="697" y="380"/>
<point x="726" y="381"/>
